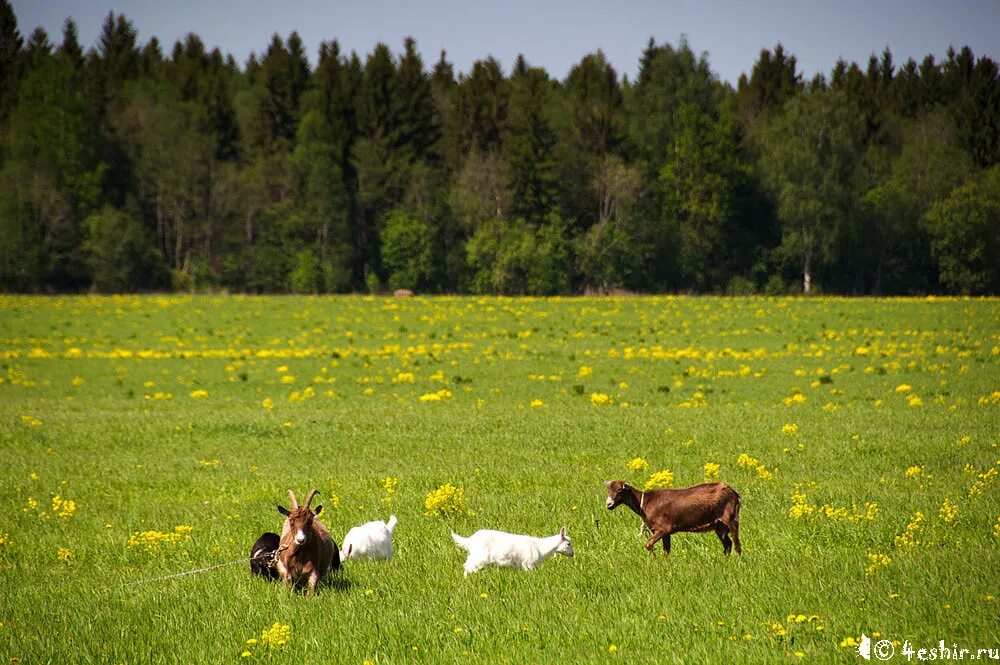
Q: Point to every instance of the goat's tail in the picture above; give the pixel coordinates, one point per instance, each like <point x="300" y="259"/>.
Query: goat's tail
<point x="391" y="524"/>
<point x="460" y="541"/>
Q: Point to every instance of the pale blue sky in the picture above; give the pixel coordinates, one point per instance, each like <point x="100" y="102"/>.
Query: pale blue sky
<point x="555" y="34"/>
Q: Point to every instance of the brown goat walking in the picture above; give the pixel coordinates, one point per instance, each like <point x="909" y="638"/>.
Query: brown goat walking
<point x="706" y="507"/>
<point x="306" y="552"/>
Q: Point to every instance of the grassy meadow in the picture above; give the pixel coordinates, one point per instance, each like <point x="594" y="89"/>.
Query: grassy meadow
<point x="142" y="437"/>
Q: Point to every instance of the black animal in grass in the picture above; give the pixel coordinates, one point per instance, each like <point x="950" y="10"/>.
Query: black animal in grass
<point x="262" y="556"/>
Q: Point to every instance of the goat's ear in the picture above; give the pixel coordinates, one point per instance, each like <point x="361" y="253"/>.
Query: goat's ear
<point x="607" y="483"/>
<point x="562" y="532"/>
<point x="317" y="510"/>
<point x="283" y="511"/>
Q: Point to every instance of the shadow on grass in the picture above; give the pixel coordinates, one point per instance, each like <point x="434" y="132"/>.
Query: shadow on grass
<point x="337" y="582"/>
<point x="332" y="582"/>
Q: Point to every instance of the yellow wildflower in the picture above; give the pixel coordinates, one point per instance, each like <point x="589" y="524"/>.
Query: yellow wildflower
<point x="599" y="399"/>
<point x="445" y="500"/>
<point x="63" y="507"/>
<point x="875" y="561"/>
<point x="711" y="472"/>
<point x="746" y="462"/>
<point x="277" y="636"/>
<point x="800" y="507"/>
<point x="909" y="536"/>
<point x="659" y="480"/>
<point x="390" y="483"/>
<point x="637" y="464"/>
<point x="983" y="481"/>
<point x="992" y="398"/>
<point x="152" y="541"/>
<point x="438" y="396"/>
<point x="948" y="511"/>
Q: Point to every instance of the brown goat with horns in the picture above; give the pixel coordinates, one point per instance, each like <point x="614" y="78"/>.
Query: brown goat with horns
<point x="306" y="552"/>
<point x="706" y="507"/>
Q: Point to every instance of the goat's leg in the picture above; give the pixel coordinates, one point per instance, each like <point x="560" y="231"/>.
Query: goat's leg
<point x="664" y="535"/>
<point x="655" y="538"/>
<point x="286" y="576"/>
<point x="734" y="530"/>
<point x="471" y="566"/>
<point x="723" y="533"/>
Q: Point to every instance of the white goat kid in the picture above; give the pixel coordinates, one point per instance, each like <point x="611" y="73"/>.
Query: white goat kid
<point x="497" y="548"/>
<point x="372" y="540"/>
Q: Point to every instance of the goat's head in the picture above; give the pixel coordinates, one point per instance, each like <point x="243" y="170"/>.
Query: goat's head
<point x="299" y="520"/>
<point x="565" y="545"/>
<point x="618" y="491"/>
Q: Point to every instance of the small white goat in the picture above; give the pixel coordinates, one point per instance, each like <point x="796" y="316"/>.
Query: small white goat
<point x="372" y="540"/>
<point x="498" y="548"/>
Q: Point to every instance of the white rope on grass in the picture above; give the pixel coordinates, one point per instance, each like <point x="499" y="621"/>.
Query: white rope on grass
<point x="198" y="570"/>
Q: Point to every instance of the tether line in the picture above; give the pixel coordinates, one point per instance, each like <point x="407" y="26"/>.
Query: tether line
<point x="195" y="571"/>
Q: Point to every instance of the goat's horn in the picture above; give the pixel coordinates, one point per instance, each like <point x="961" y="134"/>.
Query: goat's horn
<point x="295" y="502"/>
<point x="309" y="498"/>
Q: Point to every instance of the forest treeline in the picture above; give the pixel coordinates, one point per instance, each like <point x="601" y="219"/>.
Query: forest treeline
<point x="131" y="167"/>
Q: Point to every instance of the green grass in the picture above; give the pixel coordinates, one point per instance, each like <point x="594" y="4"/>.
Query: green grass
<point x="84" y="415"/>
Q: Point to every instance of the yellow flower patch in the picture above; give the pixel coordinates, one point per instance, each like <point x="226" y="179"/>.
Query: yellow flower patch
<point x="277" y="636"/>
<point x="154" y="542"/>
<point x="637" y="464"/>
<point x="446" y="500"/>
<point x="659" y="480"/>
